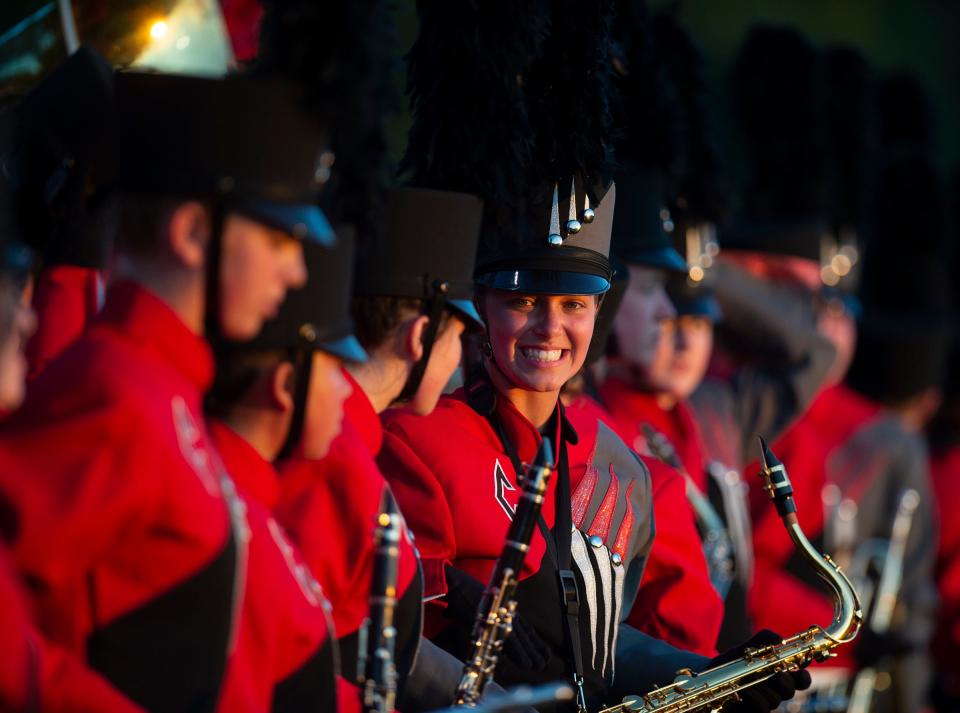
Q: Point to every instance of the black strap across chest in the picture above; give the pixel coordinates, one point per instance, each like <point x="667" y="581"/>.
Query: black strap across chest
<point x="559" y="540"/>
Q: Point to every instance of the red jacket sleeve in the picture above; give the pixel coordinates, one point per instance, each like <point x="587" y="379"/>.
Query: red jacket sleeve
<point x="425" y="508"/>
<point x="66" y="298"/>
<point x="676" y="601"/>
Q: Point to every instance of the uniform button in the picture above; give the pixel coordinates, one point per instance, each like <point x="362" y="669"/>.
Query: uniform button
<point x="616" y="559"/>
<point x="596" y="541"/>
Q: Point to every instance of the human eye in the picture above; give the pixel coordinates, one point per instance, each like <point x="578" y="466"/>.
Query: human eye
<point x="522" y="302"/>
<point x="575" y="304"/>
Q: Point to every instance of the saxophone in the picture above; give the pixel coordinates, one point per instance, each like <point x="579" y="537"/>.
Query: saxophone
<point x="494" y="621"/>
<point x="718" y="548"/>
<point x="376" y="669"/>
<point x="711" y="689"/>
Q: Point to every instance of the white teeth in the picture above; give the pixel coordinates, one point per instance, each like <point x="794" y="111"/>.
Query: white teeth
<point x="543" y="354"/>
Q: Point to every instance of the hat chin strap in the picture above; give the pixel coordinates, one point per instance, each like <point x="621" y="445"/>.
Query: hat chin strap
<point x="212" y="327"/>
<point x="434" y="312"/>
<point x="303" y="370"/>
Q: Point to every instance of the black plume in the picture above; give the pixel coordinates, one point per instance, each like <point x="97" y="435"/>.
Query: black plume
<point x="852" y="135"/>
<point x="905" y="115"/>
<point x="569" y="88"/>
<point x="343" y="53"/>
<point x="466" y="79"/>
<point x="778" y="96"/>
<point x="696" y="188"/>
<point x="646" y="104"/>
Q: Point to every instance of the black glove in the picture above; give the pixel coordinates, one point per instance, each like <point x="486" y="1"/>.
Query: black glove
<point x="872" y="648"/>
<point x="766" y="696"/>
<point x="524" y="647"/>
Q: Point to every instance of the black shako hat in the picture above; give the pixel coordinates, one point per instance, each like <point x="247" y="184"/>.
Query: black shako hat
<point x="648" y="132"/>
<point x="517" y="113"/>
<point x="243" y="141"/>
<point x="427" y="251"/>
<point x="778" y="96"/>
<point x="63" y="132"/>
<point x="904" y="334"/>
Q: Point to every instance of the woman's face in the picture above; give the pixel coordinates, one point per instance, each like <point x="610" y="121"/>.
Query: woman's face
<point x="641" y="325"/>
<point x="539" y="342"/>
<point x="691" y="357"/>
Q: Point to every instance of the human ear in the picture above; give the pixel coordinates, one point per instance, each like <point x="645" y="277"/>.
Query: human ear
<point x="282" y="386"/>
<point x="189" y="233"/>
<point x="413" y="340"/>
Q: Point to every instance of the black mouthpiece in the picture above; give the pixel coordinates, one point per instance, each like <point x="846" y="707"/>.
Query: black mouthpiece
<point x="777" y="481"/>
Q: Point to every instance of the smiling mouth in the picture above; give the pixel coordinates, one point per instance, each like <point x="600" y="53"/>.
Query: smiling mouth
<point x="544" y="356"/>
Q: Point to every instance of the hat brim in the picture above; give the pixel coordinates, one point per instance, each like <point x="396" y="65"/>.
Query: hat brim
<point x="545" y="282"/>
<point x="468" y="311"/>
<point x="700" y="306"/>
<point x="665" y="258"/>
<point x="346" y="348"/>
<point x="301" y="220"/>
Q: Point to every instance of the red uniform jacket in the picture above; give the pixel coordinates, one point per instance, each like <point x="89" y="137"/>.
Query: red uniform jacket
<point x="677" y="601"/>
<point x="35" y="676"/>
<point x="121" y="518"/>
<point x="329" y="507"/>
<point x="452" y="476"/>
<point x="945" y="468"/>
<point x="66" y="299"/>
<point x="283" y="660"/>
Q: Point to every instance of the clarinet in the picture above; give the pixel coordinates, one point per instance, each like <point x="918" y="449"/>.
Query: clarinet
<point x="376" y="667"/>
<point x="718" y="548"/>
<point x="711" y="689"/>
<point x="498" y="606"/>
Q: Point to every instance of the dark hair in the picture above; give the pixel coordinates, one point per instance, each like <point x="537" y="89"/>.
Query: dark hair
<point x="143" y="221"/>
<point x="375" y="318"/>
<point x="237" y="371"/>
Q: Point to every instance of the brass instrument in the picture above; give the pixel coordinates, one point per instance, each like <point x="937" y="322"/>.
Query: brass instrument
<point x="884" y="598"/>
<point x="711" y="689"/>
<point x="494" y="621"/>
<point x="376" y="668"/>
<point x="717" y="545"/>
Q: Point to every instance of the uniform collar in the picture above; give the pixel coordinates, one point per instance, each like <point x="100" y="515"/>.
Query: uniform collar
<point x="254" y="477"/>
<point x="150" y="322"/>
<point x="525" y="437"/>
<point x="359" y="412"/>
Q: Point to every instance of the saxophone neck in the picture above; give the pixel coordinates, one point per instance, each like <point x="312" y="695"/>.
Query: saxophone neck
<point x="848" y="615"/>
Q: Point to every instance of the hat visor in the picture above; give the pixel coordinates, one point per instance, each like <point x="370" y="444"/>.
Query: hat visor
<point x="545" y="282"/>
<point x="665" y="258"/>
<point x="701" y="306"/>
<point x="346" y="348"/>
<point x="301" y="220"/>
<point x="466" y="310"/>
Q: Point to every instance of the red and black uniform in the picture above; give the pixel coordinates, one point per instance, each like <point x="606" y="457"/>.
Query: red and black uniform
<point x="36" y="676"/>
<point x="123" y="530"/>
<point x="284" y="659"/>
<point x="454" y="473"/>
<point x="329" y="507"/>
<point x="676" y="601"/>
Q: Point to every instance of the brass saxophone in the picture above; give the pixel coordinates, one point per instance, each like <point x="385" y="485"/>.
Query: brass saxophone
<point x="718" y="548"/>
<point x="711" y="689"/>
<point x="494" y="621"/>
<point x="376" y="667"/>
